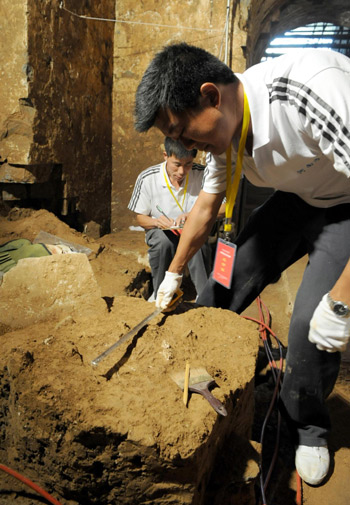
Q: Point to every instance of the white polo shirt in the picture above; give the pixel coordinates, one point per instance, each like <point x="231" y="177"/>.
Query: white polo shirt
<point x="151" y="190"/>
<point x="300" y="112"/>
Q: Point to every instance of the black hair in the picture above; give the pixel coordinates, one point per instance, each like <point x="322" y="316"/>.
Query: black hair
<point x="176" y="148"/>
<point x="173" y="81"/>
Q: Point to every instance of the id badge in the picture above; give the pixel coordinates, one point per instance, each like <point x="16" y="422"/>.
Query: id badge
<point x="224" y="262"/>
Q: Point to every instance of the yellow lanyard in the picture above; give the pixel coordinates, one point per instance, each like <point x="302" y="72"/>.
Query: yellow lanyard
<point x="232" y="189"/>
<point x="171" y="191"/>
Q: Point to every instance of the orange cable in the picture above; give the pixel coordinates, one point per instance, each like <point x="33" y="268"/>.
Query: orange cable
<point x="263" y="330"/>
<point x="30" y="484"/>
<point x="299" y="490"/>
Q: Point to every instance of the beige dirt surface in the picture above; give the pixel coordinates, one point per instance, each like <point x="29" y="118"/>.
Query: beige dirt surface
<point x="62" y="418"/>
<point x="118" y="432"/>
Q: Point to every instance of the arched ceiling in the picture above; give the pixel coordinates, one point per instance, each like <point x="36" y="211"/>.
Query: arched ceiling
<point x="270" y="18"/>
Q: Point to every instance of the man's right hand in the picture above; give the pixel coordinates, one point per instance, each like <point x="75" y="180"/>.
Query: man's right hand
<point x="164" y="223"/>
<point x="167" y="289"/>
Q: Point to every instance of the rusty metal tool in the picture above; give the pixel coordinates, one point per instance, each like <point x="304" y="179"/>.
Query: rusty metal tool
<point x="136" y="329"/>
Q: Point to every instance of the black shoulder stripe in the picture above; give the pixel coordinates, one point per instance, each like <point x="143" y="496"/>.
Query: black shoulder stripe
<point x="318" y="112"/>
<point x="138" y="185"/>
<point x="305" y="96"/>
<point x="198" y="166"/>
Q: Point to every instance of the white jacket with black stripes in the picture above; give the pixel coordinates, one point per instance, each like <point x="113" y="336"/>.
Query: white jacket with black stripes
<point x="300" y="112"/>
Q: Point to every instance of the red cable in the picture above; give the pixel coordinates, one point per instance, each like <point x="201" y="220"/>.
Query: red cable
<point x="299" y="490"/>
<point x="262" y="330"/>
<point x="262" y="317"/>
<point x="266" y="326"/>
<point x="30" y="484"/>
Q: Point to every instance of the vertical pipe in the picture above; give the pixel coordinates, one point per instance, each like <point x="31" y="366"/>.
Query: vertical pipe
<point x="226" y="30"/>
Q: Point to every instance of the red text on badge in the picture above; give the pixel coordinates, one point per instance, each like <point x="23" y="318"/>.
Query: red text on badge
<point x="224" y="262"/>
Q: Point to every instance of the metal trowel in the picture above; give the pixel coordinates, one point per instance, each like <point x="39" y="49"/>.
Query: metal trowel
<point x="199" y="382"/>
<point x="176" y="299"/>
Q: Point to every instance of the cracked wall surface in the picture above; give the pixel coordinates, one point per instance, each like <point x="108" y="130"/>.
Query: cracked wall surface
<point x="68" y="87"/>
<point x="55" y="102"/>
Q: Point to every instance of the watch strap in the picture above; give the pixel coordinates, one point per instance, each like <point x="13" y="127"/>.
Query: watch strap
<point x="338" y="307"/>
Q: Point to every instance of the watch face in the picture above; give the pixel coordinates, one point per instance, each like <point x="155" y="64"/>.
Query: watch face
<point x="340" y="309"/>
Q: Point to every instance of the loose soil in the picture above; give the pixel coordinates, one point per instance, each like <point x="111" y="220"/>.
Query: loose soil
<point x="119" y="264"/>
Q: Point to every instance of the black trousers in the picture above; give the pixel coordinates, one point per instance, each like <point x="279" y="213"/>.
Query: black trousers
<point x="277" y="234"/>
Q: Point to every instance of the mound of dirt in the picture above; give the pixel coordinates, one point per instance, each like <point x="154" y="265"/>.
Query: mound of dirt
<point x="117" y="433"/>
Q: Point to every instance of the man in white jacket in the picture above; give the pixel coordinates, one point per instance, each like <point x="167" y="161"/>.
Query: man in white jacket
<point x="298" y="142"/>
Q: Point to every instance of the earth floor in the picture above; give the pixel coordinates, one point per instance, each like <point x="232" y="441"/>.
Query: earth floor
<point x="282" y="485"/>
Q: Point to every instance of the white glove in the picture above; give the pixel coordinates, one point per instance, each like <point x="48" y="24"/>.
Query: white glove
<point x="171" y="283"/>
<point x="328" y="331"/>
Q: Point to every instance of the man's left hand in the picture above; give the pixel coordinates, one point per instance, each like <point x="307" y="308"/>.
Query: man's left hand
<point x="180" y="220"/>
<point x="328" y="331"/>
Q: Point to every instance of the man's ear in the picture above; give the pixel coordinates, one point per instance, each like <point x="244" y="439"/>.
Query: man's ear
<point x="165" y="155"/>
<point x="209" y="91"/>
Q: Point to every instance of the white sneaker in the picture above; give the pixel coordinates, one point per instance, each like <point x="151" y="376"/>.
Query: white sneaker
<point x="312" y="463"/>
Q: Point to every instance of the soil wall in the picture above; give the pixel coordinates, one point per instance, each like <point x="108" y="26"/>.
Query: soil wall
<point x="148" y="27"/>
<point x="56" y="107"/>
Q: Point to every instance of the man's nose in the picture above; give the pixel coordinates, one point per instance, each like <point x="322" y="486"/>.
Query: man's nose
<point x="188" y="143"/>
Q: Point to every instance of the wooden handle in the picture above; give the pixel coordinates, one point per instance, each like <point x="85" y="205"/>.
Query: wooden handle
<point x="187" y="378"/>
<point x="214" y="402"/>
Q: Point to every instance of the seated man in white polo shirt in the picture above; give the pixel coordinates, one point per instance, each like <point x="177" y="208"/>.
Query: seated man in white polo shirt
<point x="162" y="198"/>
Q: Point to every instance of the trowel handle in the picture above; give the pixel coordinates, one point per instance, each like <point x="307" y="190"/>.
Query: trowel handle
<point x="178" y="294"/>
<point x="214" y="402"/>
<point x="172" y="305"/>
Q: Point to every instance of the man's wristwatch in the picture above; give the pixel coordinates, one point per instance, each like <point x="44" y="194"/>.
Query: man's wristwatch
<point x="339" y="308"/>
